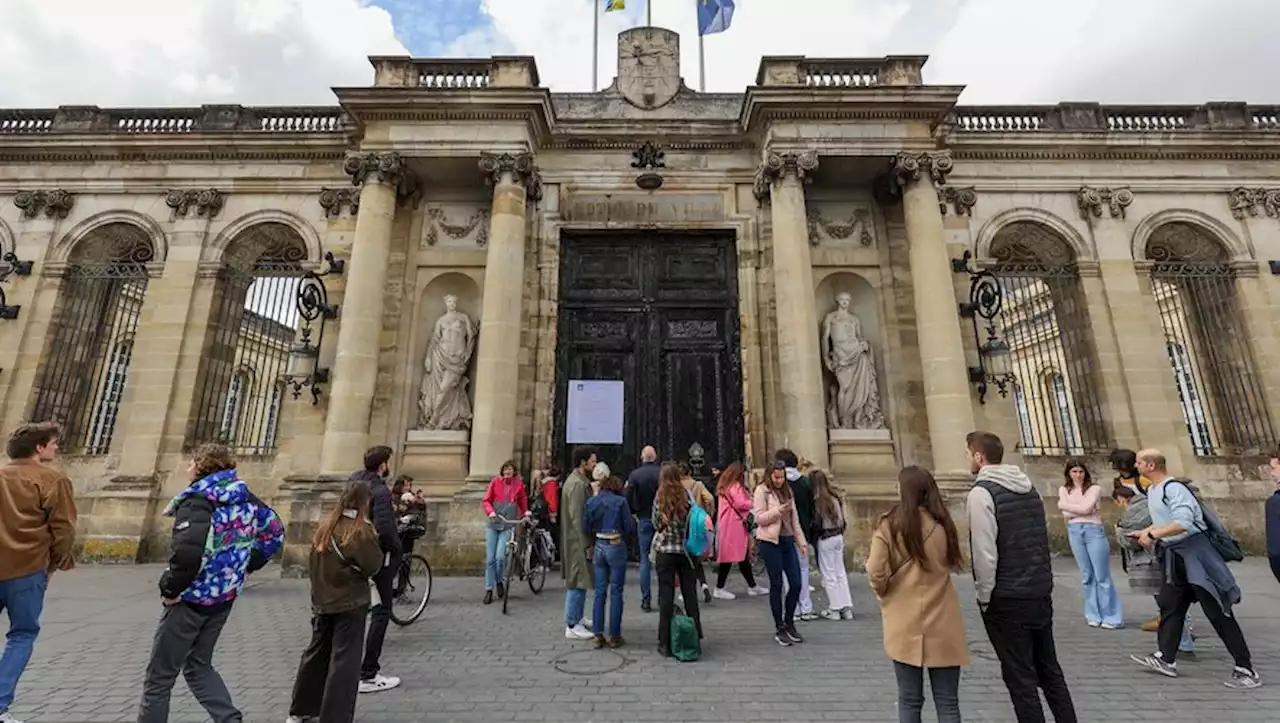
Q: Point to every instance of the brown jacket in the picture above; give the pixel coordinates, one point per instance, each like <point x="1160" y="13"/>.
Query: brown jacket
<point x="341" y="585"/>
<point x="922" y="622"/>
<point x="37" y="519"/>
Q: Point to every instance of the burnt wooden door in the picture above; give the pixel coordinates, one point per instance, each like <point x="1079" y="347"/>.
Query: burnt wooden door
<point x="660" y="313"/>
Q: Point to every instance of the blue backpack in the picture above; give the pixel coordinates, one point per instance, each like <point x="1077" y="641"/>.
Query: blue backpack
<point x="697" y="542"/>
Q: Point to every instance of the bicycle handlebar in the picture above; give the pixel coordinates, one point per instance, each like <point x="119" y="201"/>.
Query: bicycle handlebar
<point x="527" y="521"/>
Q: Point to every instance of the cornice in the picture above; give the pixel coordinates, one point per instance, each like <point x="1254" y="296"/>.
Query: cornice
<point x="207" y="147"/>
<point x="761" y="104"/>
<point x="530" y="105"/>
<point x="1183" y="145"/>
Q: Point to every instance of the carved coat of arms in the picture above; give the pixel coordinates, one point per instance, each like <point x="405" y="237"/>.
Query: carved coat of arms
<point x="648" y="66"/>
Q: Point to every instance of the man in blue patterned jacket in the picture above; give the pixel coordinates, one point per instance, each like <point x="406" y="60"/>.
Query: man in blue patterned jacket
<point x="221" y="533"/>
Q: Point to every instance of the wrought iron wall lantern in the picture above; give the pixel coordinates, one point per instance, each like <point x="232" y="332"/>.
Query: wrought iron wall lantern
<point x="313" y="306"/>
<point x="12" y="266"/>
<point x="986" y="298"/>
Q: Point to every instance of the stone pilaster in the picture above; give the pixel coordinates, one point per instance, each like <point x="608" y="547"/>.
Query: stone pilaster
<point x="515" y="181"/>
<point x="946" y="383"/>
<point x="782" y="176"/>
<point x="385" y="177"/>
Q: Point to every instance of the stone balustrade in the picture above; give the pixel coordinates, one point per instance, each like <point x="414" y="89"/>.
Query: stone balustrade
<point x="1071" y="117"/>
<point x="455" y="74"/>
<point x="204" y="119"/>
<point x="841" y="73"/>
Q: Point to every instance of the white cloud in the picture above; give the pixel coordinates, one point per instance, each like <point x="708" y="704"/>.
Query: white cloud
<point x="161" y="52"/>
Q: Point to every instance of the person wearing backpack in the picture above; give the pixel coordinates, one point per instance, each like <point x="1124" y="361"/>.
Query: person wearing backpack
<point x="778" y="533"/>
<point x="1195" y="570"/>
<point x="703" y="498"/>
<point x="672" y="514"/>
<point x="345" y="556"/>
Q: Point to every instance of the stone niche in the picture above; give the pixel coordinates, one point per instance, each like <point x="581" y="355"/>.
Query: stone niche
<point x="862" y="460"/>
<point x="437" y="458"/>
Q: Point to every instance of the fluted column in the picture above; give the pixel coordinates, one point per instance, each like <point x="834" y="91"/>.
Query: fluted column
<point x="493" y="431"/>
<point x="947" y="398"/>
<point x="782" y="177"/>
<point x="385" y="177"/>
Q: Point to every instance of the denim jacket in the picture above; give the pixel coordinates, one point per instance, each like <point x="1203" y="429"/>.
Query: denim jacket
<point x="607" y="514"/>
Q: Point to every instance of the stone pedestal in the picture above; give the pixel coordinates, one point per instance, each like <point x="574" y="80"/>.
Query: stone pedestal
<point x="863" y="461"/>
<point x="437" y="461"/>
<point x="117" y="523"/>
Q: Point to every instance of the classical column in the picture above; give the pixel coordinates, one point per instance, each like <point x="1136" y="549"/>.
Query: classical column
<point x="804" y="428"/>
<point x="946" y="382"/>
<point x="384" y="178"/>
<point x="515" y="180"/>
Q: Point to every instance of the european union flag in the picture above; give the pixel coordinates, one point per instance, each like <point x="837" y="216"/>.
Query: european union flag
<point x="714" y="16"/>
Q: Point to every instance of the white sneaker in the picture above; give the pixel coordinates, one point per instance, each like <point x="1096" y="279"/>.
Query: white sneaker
<point x="830" y="614"/>
<point x="378" y="683"/>
<point x="722" y="594"/>
<point x="7" y="717"/>
<point x="578" y="632"/>
<point x="757" y="591"/>
<point x="846" y="614"/>
<point x="586" y="623"/>
<point x="812" y="588"/>
<point x="290" y="719"/>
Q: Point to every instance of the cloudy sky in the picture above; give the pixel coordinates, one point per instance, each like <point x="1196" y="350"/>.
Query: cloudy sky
<point x="187" y="52"/>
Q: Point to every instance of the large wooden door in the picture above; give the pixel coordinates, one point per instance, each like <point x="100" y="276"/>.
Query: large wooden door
<point x="659" y="313"/>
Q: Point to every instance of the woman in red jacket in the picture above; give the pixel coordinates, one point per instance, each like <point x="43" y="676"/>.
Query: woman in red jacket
<point x="506" y="499"/>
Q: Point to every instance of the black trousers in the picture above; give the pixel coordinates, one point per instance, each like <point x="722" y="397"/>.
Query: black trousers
<point x="1175" y="597"/>
<point x="184" y="643"/>
<point x="384" y="581"/>
<point x="329" y="675"/>
<point x="744" y="567"/>
<point x="1021" y="631"/>
<point x="671" y="568"/>
<point x="1275" y="565"/>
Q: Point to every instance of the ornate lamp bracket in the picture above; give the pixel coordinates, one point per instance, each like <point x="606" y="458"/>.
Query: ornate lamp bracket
<point x="314" y="309"/>
<point x="12" y="266"/>
<point x="986" y="298"/>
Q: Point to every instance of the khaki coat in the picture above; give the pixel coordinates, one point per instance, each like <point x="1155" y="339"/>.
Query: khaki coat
<point x="922" y="622"/>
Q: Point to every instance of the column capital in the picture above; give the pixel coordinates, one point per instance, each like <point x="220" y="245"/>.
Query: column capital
<point x="908" y="168"/>
<point x="777" y="166"/>
<point x="388" y="168"/>
<point x="524" y="172"/>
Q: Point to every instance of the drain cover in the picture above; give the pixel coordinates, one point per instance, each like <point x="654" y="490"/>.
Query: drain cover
<point x="590" y="662"/>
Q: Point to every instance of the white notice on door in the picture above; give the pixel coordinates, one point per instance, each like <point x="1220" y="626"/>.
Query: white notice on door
<point x="595" y="412"/>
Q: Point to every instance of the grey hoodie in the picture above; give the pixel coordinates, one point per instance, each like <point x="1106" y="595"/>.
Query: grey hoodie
<point x="982" y="523"/>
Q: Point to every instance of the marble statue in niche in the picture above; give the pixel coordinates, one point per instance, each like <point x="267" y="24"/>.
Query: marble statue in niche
<point x="443" y="403"/>
<point x="854" y="400"/>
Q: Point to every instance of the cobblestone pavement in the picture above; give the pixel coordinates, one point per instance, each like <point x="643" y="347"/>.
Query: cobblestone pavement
<point x="466" y="662"/>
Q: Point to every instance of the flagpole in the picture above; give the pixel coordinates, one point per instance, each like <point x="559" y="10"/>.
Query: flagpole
<point x="648" y="10"/>
<point x="595" y="45"/>
<point x="702" y="65"/>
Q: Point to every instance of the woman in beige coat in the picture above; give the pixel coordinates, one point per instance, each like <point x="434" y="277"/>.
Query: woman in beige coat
<point x="913" y="552"/>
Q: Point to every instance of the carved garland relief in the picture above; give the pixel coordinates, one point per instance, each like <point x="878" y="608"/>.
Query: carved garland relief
<point x="443" y="228"/>
<point x="1245" y="201"/>
<point x="834" y="225"/>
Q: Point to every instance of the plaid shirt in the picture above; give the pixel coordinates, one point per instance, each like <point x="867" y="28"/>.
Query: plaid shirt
<point x="669" y="537"/>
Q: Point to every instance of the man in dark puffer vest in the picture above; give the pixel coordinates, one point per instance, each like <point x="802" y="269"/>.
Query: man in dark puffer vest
<point x="1013" y="575"/>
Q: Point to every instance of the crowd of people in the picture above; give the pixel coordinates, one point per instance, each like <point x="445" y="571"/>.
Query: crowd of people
<point x="1172" y="545"/>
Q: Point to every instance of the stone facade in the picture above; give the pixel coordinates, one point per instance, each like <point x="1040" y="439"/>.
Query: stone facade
<point x="1152" y="233"/>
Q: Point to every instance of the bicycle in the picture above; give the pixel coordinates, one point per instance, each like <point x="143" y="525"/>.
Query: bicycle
<point x="522" y="555"/>
<point x="411" y="587"/>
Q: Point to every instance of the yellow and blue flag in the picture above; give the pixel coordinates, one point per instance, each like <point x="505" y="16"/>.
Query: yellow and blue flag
<point x="611" y="5"/>
<point x="714" y="16"/>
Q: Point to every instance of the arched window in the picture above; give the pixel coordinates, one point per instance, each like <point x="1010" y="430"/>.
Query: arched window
<point x="85" y="367"/>
<point x="1213" y="366"/>
<point x="251" y="326"/>
<point x="1045" y="322"/>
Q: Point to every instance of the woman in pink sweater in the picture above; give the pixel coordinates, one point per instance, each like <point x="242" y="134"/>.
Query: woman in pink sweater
<point x="1080" y="500"/>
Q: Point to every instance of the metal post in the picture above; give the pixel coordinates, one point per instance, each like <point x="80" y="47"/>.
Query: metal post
<point x="648" y="13"/>
<point x="702" y="65"/>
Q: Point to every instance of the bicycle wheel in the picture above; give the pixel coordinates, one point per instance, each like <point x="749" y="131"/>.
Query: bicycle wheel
<point x="537" y="572"/>
<point x="508" y="570"/>
<point x="413" y="590"/>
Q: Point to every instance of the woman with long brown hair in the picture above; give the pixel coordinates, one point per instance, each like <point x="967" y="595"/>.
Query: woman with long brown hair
<point x="914" y="550"/>
<point x="830" y="523"/>
<point x="778" y="534"/>
<point x="733" y="531"/>
<point x="1080" y="501"/>
<point x="670" y="532"/>
<point x="344" y="556"/>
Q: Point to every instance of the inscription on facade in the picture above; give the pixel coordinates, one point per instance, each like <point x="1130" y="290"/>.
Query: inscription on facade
<point x="642" y="209"/>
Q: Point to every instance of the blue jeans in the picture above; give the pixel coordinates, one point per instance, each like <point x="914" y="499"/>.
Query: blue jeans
<point x="645" y="535"/>
<point x="782" y="561"/>
<point x="611" y="570"/>
<point x="575" y="599"/>
<point x="495" y="550"/>
<point x="23" y="598"/>
<point x="1092" y="551"/>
